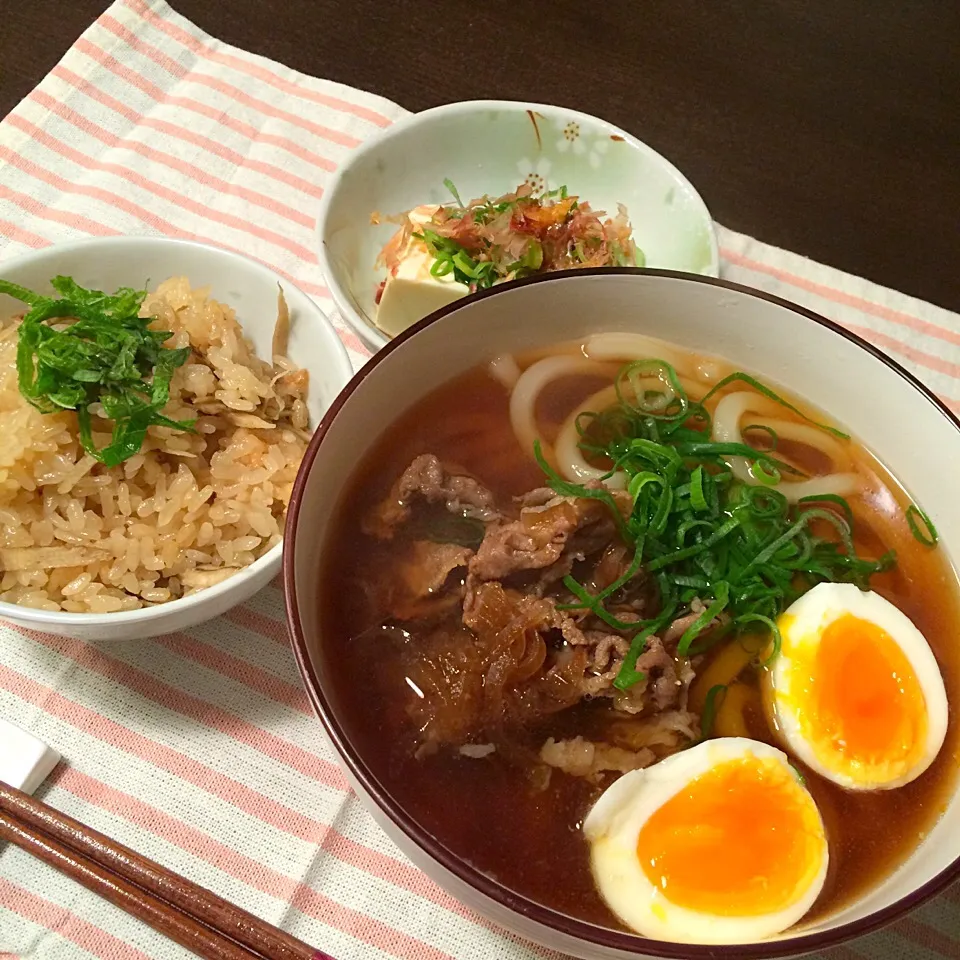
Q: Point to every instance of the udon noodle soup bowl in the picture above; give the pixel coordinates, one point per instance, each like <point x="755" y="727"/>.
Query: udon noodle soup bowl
<point x="789" y="348"/>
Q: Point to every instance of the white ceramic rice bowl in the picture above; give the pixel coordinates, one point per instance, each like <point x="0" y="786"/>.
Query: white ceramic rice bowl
<point x="251" y="289"/>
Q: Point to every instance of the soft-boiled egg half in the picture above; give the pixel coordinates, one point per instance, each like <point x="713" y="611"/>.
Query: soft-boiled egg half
<point x="856" y="692"/>
<point x="721" y="843"/>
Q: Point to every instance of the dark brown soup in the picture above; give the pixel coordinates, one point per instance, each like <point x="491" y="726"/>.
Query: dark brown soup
<point x="504" y="810"/>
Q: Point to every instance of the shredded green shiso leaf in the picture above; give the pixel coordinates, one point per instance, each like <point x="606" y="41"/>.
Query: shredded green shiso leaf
<point x="100" y="351"/>
<point x="745" y="552"/>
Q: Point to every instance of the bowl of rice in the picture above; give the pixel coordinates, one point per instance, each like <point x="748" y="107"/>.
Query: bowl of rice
<point x="150" y="434"/>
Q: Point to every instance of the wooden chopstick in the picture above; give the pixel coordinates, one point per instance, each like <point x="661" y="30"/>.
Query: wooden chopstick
<point x="159" y="915"/>
<point x="197" y="919"/>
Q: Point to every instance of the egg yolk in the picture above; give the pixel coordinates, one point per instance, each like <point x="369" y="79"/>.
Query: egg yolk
<point x="742" y="839"/>
<point x="864" y="699"/>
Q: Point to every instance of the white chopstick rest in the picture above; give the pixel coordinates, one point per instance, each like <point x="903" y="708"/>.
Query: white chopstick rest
<point x="25" y="761"/>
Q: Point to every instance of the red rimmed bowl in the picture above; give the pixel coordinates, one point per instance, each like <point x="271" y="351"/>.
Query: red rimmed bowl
<point x="881" y="404"/>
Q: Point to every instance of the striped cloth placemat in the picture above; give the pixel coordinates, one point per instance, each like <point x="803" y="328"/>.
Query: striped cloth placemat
<point x="199" y="749"/>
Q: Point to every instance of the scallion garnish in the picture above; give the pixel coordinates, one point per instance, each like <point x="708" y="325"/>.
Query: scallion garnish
<point x="744" y="552"/>
<point x="763" y="428"/>
<point x="928" y="536"/>
<point x="711" y="705"/>
<point x="448" y="183"/>
<point x="452" y="257"/>
<point x="98" y="350"/>
<point x="767" y="392"/>
<point x="832" y="498"/>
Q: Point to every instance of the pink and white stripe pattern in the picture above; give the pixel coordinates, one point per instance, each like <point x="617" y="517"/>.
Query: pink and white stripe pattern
<point x="199" y="749"/>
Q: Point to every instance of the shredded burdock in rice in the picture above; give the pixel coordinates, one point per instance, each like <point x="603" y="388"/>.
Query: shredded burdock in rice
<point x="188" y="509"/>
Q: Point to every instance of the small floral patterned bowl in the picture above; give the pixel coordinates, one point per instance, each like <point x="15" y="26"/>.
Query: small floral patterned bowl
<point x="489" y="147"/>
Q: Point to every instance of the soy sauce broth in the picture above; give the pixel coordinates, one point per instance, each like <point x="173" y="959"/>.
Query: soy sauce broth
<point x="504" y="823"/>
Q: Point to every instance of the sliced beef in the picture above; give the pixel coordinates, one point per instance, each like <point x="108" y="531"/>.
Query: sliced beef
<point x="609" y="652"/>
<point x="660" y="668"/>
<point x="428" y="479"/>
<point x="584" y="758"/>
<point x="612" y="564"/>
<point x="509" y="605"/>
<point x="538" y="497"/>
<point x="421" y="585"/>
<point x="499" y="650"/>
<point x="540" y="536"/>
<point x="547" y="580"/>
<point x="500" y="668"/>
<point x="664" y="687"/>
<point x="678" y="628"/>
<point x="662" y="731"/>
<point x="429" y="565"/>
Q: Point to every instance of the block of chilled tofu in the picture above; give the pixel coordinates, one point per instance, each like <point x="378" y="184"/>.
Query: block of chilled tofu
<point x="412" y="292"/>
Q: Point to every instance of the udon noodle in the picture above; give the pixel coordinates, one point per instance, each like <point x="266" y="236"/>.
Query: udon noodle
<point x="696" y="377"/>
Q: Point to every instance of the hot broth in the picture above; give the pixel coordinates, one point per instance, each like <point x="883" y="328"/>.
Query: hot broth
<point x="503" y="809"/>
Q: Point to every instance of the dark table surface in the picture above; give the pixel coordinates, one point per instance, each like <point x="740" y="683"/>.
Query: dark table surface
<point x="829" y="127"/>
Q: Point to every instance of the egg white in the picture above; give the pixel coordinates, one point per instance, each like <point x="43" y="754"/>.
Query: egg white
<point x="801" y="626"/>
<point x="613" y="826"/>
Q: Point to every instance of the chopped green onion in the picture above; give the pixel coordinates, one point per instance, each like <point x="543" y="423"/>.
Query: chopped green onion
<point x="697" y="500"/>
<point x="478" y="258"/>
<point x="753" y="427"/>
<point x="768" y="475"/>
<point x="831" y="498"/>
<point x="722" y="598"/>
<point x="710" y="447"/>
<point x="628" y="674"/>
<point x="591" y="603"/>
<point x="929" y="536"/>
<point x="724" y="530"/>
<point x="774" y="633"/>
<point x="532" y="258"/>
<point x="448" y="183"/>
<point x="742" y="550"/>
<point x="711" y="705"/>
<point x="767" y="392"/>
